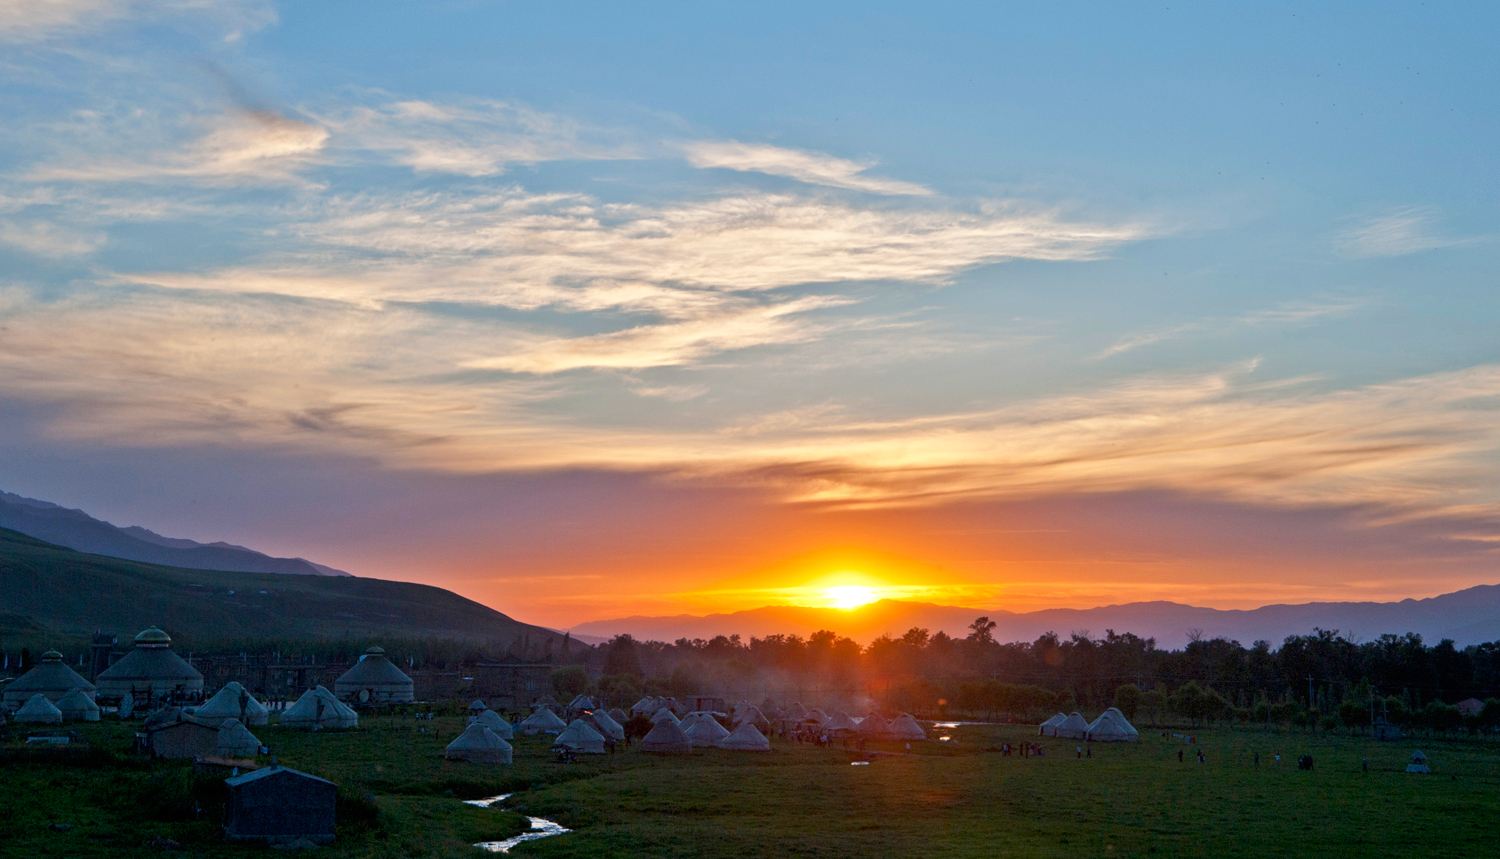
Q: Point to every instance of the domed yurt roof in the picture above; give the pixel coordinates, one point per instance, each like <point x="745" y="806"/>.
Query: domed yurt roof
<point x="50" y="677"/>
<point x="38" y="711"/>
<point x="495" y="722"/>
<point x="1072" y="728"/>
<point x="152" y="665"/>
<point x="840" y="721"/>
<point x="666" y="737"/>
<point x="479" y="745"/>
<point x="706" y="732"/>
<point x="904" y="727"/>
<point x="373" y="672"/>
<point x="76" y="706"/>
<point x="542" y="720"/>
<point x="580" y="736"/>
<point x="874" y="726"/>
<point x="1113" y="727"/>
<point x="665" y="714"/>
<point x="236" y="741"/>
<point x="746" y="738"/>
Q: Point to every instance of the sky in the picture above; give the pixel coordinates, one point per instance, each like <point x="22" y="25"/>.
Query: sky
<point x="590" y="310"/>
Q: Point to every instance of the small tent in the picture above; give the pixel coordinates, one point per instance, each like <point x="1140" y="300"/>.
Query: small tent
<point x="1072" y="728"/>
<point x="665" y="714"/>
<point x="666" y="738"/>
<point x="874" y="727"/>
<point x="794" y="712"/>
<point x="479" y="745"/>
<point x="644" y="707"/>
<point x="606" y="725"/>
<point x="687" y="722"/>
<point x="38" y="711"/>
<point x="233" y="702"/>
<point x="1113" y="727"/>
<point x="620" y="716"/>
<point x="1418" y="763"/>
<point x="581" y="737"/>
<point x="236" y="741"/>
<point x="76" y="706"/>
<point x="476" y="707"/>
<point x="1049" y="727"/>
<point x="706" y="732"/>
<point x="581" y="702"/>
<point x="840" y="722"/>
<point x="542" y="721"/>
<point x="745" y="738"/>
<point x="318" y="709"/>
<point x="495" y="722"/>
<point x="904" y="727"/>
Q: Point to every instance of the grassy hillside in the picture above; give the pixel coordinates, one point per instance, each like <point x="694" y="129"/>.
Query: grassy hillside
<point x="75" y="593"/>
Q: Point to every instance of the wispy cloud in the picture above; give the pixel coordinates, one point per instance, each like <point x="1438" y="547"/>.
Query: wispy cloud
<point x="48" y="240"/>
<point x="811" y="167"/>
<point x="37" y="20"/>
<point x="1290" y="313"/>
<point x="1397" y="233"/>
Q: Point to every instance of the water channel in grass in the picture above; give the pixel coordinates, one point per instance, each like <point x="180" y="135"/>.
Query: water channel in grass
<point x="539" y="828"/>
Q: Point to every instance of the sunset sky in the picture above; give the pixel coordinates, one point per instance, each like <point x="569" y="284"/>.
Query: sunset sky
<point x="602" y="309"/>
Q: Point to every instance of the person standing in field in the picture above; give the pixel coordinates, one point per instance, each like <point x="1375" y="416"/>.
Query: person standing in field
<point x="1179" y="755"/>
<point x="1080" y="753"/>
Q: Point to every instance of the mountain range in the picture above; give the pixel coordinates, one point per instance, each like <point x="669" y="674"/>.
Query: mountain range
<point x="78" y="530"/>
<point x="1470" y="616"/>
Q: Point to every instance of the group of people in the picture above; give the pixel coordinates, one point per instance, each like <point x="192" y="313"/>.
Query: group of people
<point x="1026" y="750"/>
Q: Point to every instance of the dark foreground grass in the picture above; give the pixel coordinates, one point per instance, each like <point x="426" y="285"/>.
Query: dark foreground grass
<point x="958" y="799"/>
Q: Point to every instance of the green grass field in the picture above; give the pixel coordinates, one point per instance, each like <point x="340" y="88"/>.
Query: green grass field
<point x="947" y="799"/>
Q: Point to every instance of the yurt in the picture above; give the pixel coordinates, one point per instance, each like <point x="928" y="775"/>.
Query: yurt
<point x="1113" y="727"/>
<point x="1049" y="727"/>
<point x="479" y="745"/>
<point x="794" y="712"/>
<point x="606" y="725"/>
<point x="164" y="716"/>
<point x="38" y="711"/>
<point x="233" y="702"/>
<point x="236" y="741"/>
<point x="50" y="677"/>
<point x="706" y="732"/>
<point x="666" y="738"/>
<point x="1072" y="728"/>
<point x="374" y="680"/>
<point x="76" y="706"/>
<point x="495" y="722"/>
<point x="318" y="708"/>
<point x="840" y="722"/>
<point x="581" y="702"/>
<point x="542" y="721"/>
<point x="476" y="708"/>
<point x="874" y="727"/>
<point x="688" y="721"/>
<point x="745" y="738"/>
<point x="581" y="738"/>
<point x="665" y="714"/>
<point x="644" y="707"/>
<point x="754" y="716"/>
<point x="815" y="715"/>
<point x="150" y="668"/>
<point x="1418" y="763"/>
<point x="619" y="716"/>
<point x="904" y="727"/>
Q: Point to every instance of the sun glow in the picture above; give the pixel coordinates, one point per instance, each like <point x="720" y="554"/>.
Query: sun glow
<point x="850" y="596"/>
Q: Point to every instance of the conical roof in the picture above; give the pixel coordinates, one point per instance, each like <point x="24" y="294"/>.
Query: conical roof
<point x="753" y="716"/>
<point x="874" y="726"/>
<point x="1113" y="727"/>
<point x="606" y="725"/>
<point x="164" y="716"/>
<point x="542" y="720"/>
<point x="152" y="665"/>
<point x="815" y="715"/>
<point x="479" y="745"/>
<point x="666" y="714"/>
<point x="619" y="716"/>
<point x="477" y="707"/>
<point x="495" y="722"/>
<point x="304" y="711"/>
<point x="1049" y="727"/>
<point x="794" y="712"/>
<point x="706" y="732"/>
<point x="581" y="702"/>
<point x="50" y="677"/>
<point x="376" y="677"/>
<point x="225" y="704"/>
<point x="78" y="707"/>
<point x="904" y="727"/>
<point x="1072" y="728"/>
<point x="666" y="738"/>
<point x="746" y="738"/>
<point x="236" y="741"/>
<point x="645" y="706"/>
<point x="840" y="721"/>
<point x="38" y="711"/>
<point x="687" y="722"/>
<point x="580" y="736"/>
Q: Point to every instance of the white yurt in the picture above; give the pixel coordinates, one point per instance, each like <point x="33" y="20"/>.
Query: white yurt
<point x="476" y="708"/>
<point x="753" y="716"/>
<point x="150" y="669"/>
<point x="38" y="711"/>
<point x="794" y="712"/>
<point x="840" y="721"/>
<point x="1049" y="727"/>
<point x="495" y="722"/>
<point x="1113" y="727"/>
<point x="318" y="708"/>
<point x="620" y="716"/>
<point x="874" y="727"/>
<point x="904" y="727"/>
<point x="606" y="725"/>
<point x="581" y="702"/>
<point x="233" y="702"/>
<point x="815" y="715"/>
<point x="745" y="738"/>
<point x="582" y="738"/>
<point x="542" y="721"/>
<point x="1072" y="728"/>
<point x="706" y="732"/>
<point x="236" y="741"/>
<point x="76" y="706"/>
<point x="375" y="680"/>
<point x="644" y="707"/>
<point x="665" y="714"/>
<point x="50" y="677"/>
<point x="687" y="722"/>
<point x="479" y="745"/>
<point x="666" y="738"/>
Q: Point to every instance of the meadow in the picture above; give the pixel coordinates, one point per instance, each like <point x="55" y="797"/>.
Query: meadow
<point x="959" y="798"/>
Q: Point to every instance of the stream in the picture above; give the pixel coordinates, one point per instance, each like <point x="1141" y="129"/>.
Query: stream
<point x="540" y="828"/>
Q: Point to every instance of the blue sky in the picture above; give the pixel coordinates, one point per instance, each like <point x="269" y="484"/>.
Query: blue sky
<point x="813" y="276"/>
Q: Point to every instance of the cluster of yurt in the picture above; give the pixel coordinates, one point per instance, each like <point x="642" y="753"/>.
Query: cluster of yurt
<point x="374" y="679"/>
<point x="1110" y="727"/>
<point x="49" y="678"/>
<point x="649" y="705"/>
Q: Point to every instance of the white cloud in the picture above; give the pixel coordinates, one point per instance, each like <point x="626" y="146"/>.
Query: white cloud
<point x="1396" y="233"/>
<point x="811" y="167"/>
<point x="38" y="20"/>
<point x="48" y="240"/>
<point x="1289" y="313"/>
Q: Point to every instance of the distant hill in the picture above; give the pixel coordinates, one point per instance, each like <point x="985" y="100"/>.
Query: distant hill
<point x="75" y="593"/>
<point x="1469" y="616"/>
<point x="78" y="530"/>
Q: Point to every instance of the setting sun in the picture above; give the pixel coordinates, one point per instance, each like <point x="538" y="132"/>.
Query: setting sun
<point x="850" y="596"/>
